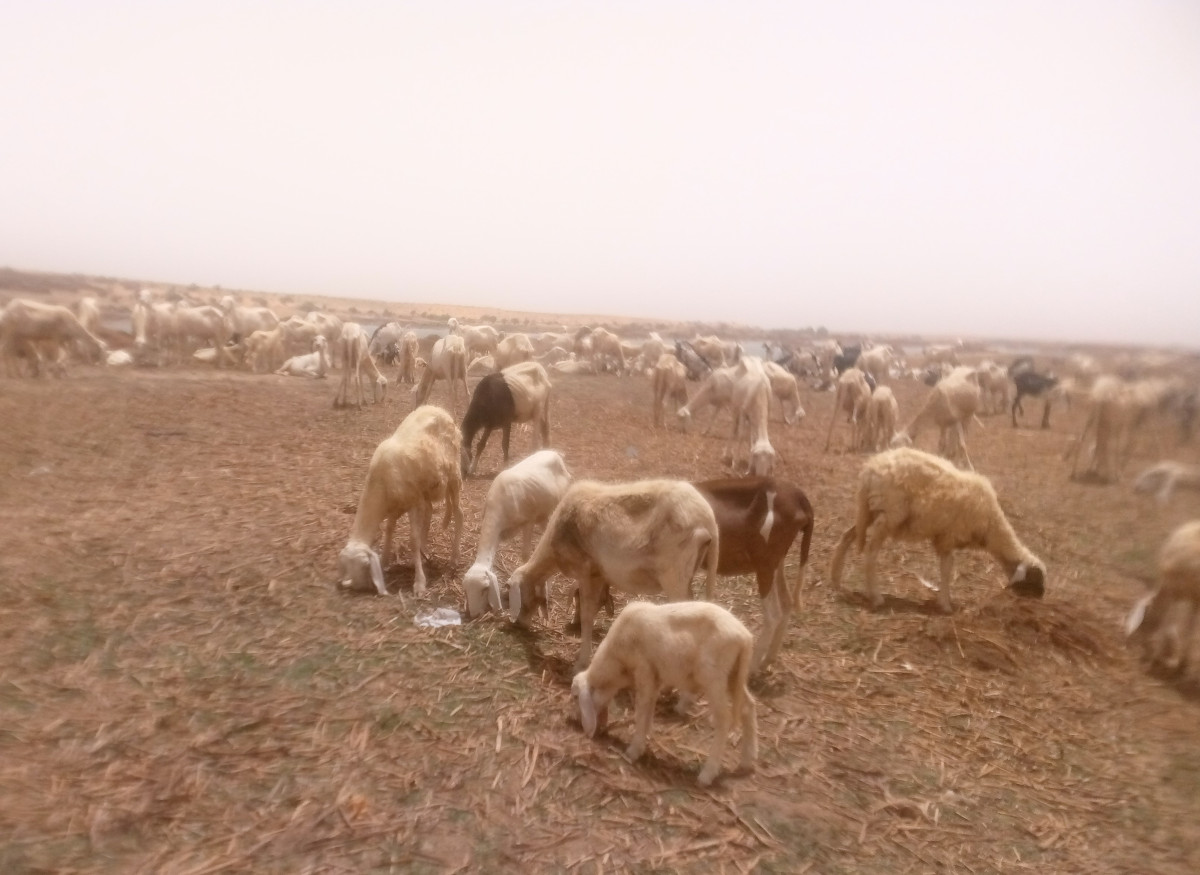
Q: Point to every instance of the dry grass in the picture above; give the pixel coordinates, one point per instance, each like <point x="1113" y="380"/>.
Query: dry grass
<point x="184" y="692"/>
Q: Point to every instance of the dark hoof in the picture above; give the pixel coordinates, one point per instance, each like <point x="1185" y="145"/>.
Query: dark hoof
<point x="1029" y="589"/>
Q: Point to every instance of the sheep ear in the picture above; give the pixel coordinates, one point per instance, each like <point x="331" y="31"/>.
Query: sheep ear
<point x="494" y="592"/>
<point x="1019" y="574"/>
<point x="587" y="707"/>
<point x="1134" y="620"/>
<point x="377" y="573"/>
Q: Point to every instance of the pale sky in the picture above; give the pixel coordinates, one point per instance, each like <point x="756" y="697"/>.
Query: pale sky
<point x="1010" y="168"/>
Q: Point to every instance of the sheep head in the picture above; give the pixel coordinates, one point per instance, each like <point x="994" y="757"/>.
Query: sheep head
<point x="483" y="591"/>
<point x="359" y="568"/>
<point x="1028" y="580"/>
<point x="593" y="709"/>
<point x="525" y="599"/>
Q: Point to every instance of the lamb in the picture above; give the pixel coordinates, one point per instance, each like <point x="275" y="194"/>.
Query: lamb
<point x="669" y="382"/>
<point x="786" y="388"/>
<point x="353" y="354"/>
<point x="519" y="498"/>
<point x="906" y="494"/>
<point x="1165" y="476"/>
<point x="644" y="538"/>
<point x="315" y="364"/>
<point x="853" y="390"/>
<point x="520" y="393"/>
<point x="512" y="350"/>
<point x="448" y="362"/>
<point x="880" y="417"/>
<point x="758" y="519"/>
<point x="1165" y="619"/>
<point x="409" y="471"/>
<point x="697" y="648"/>
<point x="26" y="325"/>
<point x="950" y="406"/>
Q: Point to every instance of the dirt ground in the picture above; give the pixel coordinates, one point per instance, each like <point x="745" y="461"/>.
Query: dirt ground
<point x="184" y="691"/>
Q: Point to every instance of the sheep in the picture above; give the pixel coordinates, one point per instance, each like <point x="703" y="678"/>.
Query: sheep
<point x="950" y="406"/>
<point x="512" y="350"/>
<point x="575" y="366"/>
<point x="995" y="387"/>
<point x="353" y="354"/>
<point x="264" y="347"/>
<point x="519" y="498"/>
<point x="298" y="335"/>
<point x="1165" y="618"/>
<point x="88" y="312"/>
<point x="478" y="339"/>
<point x="406" y="359"/>
<point x="315" y="364"/>
<point x="381" y="337"/>
<point x="877" y="361"/>
<point x="205" y="324"/>
<point x="786" y="388"/>
<point x="1165" y="476"/>
<point x="907" y="494"/>
<point x="448" y="362"/>
<point x="758" y="519"/>
<point x="847" y="358"/>
<point x="944" y="353"/>
<point x="652" y="350"/>
<point x="483" y="364"/>
<point x="520" y="393"/>
<point x="696" y="366"/>
<point x="697" y="648"/>
<point x="880" y="417"/>
<point x="853" y="390"/>
<point x="554" y="355"/>
<point x="1029" y="382"/>
<point x="669" y="382"/>
<point x="26" y="325"/>
<point x="409" y="471"/>
<point x="244" y="321"/>
<point x="606" y="351"/>
<point x="751" y="403"/>
<point x="717" y="353"/>
<point x="643" y="538"/>
<point x="327" y="324"/>
<point x="1118" y="410"/>
<point x="716" y="391"/>
<point x="825" y="352"/>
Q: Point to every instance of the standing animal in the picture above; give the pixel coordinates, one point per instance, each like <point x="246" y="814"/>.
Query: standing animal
<point x="606" y="351"/>
<point x="880" y="418"/>
<point x="751" y="403"/>
<point x="512" y="350"/>
<point x="786" y="388"/>
<point x="909" y="495"/>
<point x="695" y="647"/>
<point x="758" y="519"/>
<point x="28" y="327"/>
<point x="409" y="471"/>
<point x="950" y="406"/>
<point x="448" y="362"/>
<point x="643" y="538"/>
<point x="1029" y="382"/>
<point x="353" y="355"/>
<point x="877" y="361"/>
<point x="519" y="498"/>
<point x="853" y="390"/>
<point x="478" y="339"/>
<point x="1165" y="618"/>
<point x="716" y="391"/>
<point x="696" y="366"/>
<point x="669" y="383"/>
<point x="520" y="393"/>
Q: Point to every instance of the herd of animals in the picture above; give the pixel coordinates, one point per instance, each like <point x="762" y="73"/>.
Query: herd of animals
<point x="652" y="537"/>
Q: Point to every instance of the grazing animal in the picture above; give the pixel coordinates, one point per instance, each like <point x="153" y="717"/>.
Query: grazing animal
<point x="909" y="495"/>
<point x="1165" y="618"/>
<point x="853" y="390"/>
<point x="26" y="326"/>
<point x="695" y="647"/>
<point x="520" y="393"/>
<point x="354" y="356"/>
<point x="409" y="471"/>
<point x="950" y="406"/>
<point x="448" y="362"/>
<point x="668" y="380"/>
<point x="1030" y="382"/>
<point x="1165" y="476"/>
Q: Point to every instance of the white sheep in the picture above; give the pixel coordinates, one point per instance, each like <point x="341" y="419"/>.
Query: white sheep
<point x="669" y="383"/>
<point x="751" y="403"/>
<point x="574" y="366"/>
<point x="644" y="538"/>
<point x="906" y="494"/>
<point x="880" y="418"/>
<point x="877" y="361"/>
<point x="851" y="398"/>
<point x="244" y="321"/>
<point x="409" y="471"/>
<point x="512" y="350"/>
<point x="697" y="648"/>
<point x="447" y="361"/>
<point x="716" y="391"/>
<point x="354" y="357"/>
<point x="786" y="388"/>
<point x="314" y="364"/>
<point x="1166" y="617"/>
<point x="478" y="339"/>
<point x="519" y="498"/>
<point x="26" y="327"/>
<point x="1165" y="476"/>
<point x="950" y="406"/>
<point x="606" y="351"/>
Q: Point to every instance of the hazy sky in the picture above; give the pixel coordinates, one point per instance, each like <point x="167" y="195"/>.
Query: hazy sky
<point x="1011" y="168"/>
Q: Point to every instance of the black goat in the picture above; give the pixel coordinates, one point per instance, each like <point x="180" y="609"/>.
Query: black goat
<point x="1035" y="385"/>
<point x="848" y="357"/>
<point x="520" y="393"/>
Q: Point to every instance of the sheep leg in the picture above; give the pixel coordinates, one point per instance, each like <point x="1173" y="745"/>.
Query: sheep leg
<point x="418" y="521"/>
<point x="839" y="556"/>
<point x="487" y="433"/>
<point x="645" y="695"/>
<point x="504" y="441"/>
<point x="589" y="603"/>
<point x="946" y="565"/>
<point x="876" y="535"/>
<point x="785" y="605"/>
<point x="749" y="714"/>
<point x="389" y="531"/>
<point x="1183" y="641"/>
<point x="719" y="704"/>
<point x="1046" y="414"/>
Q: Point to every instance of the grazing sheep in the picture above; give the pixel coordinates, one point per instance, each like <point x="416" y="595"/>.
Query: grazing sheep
<point x="1165" y="619"/>
<point x="786" y="388"/>
<point x="716" y="391"/>
<point x="606" y="353"/>
<point x="877" y="361"/>
<point x="512" y="350"/>
<point x="1119" y="409"/>
<point x="879" y="420"/>
<point x="669" y="383"/>
<point x="853" y="390"/>
<point x="696" y="366"/>
<point x="1165" y="476"/>
<point x="644" y="538"/>
<point x="695" y="647"/>
<point x="758" y="519"/>
<point x="519" y="498"/>
<point x="448" y="362"/>
<point x="520" y="393"/>
<point x="314" y="364"/>
<point x="244" y="321"/>
<point x="906" y="494"/>
<point x="478" y="339"/>
<point x="27" y="325"/>
<point x="751" y="403"/>
<point x="353" y="355"/>
<point x="949" y="406"/>
<point x="409" y="471"/>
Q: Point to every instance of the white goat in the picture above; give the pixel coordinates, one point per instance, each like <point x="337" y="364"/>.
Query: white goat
<point x="644" y="538"/>
<point x="716" y="391"/>
<point x="910" y="495"/>
<point x="695" y="647"/>
<point x="519" y="498"/>
<point x="409" y="471"/>
<point x="1166" y="617"/>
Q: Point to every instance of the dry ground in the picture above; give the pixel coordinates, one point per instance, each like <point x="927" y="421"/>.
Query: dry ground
<point x="183" y="691"/>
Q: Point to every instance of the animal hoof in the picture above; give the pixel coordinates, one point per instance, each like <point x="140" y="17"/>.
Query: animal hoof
<point x="1029" y="589"/>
